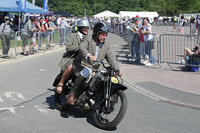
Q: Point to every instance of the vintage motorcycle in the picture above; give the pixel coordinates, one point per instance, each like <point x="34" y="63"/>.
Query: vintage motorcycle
<point x="102" y="94"/>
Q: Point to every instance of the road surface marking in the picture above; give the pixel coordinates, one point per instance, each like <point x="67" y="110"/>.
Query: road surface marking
<point x="11" y="109"/>
<point x="42" y="70"/>
<point x="43" y="111"/>
<point x="1" y="100"/>
<point x="9" y="95"/>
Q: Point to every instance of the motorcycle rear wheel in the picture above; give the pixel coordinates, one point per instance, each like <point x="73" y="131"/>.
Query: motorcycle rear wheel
<point x="105" y="123"/>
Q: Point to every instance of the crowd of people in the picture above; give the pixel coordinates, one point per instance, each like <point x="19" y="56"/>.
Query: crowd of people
<point x="142" y="40"/>
<point x="34" y="27"/>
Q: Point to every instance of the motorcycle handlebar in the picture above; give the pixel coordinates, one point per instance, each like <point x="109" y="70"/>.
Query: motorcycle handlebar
<point x="107" y="68"/>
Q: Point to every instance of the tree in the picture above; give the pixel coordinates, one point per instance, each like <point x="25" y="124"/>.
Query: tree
<point x="163" y="7"/>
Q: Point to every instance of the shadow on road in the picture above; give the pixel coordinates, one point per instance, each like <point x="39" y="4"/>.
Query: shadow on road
<point x="73" y="112"/>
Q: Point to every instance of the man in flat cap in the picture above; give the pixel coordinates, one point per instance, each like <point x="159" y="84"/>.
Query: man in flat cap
<point x="5" y="31"/>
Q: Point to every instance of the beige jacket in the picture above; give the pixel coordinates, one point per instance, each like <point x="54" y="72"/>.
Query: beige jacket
<point x="88" y="46"/>
<point x="72" y="48"/>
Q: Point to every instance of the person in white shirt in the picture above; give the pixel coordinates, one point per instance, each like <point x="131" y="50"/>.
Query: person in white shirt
<point x="148" y="38"/>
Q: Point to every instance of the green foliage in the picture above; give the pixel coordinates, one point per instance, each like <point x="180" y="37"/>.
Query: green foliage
<point x="163" y="7"/>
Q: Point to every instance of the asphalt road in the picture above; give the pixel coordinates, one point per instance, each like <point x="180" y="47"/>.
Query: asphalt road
<point x="26" y="106"/>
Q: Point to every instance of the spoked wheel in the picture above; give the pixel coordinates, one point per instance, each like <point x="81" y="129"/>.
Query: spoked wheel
<point x="60" y="102"/>
<point x="118" y="109"/>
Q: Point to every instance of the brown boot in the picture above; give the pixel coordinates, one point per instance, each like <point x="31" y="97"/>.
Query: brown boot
<point x="70" y="99"/>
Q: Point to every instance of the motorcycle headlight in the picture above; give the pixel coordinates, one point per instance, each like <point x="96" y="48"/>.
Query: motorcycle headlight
<point x="114" y="80"/>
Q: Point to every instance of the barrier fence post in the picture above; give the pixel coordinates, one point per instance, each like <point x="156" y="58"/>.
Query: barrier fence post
<point x="65" y="30"/>
<point x="39" y="40"/>
<point x="15" y="49"/>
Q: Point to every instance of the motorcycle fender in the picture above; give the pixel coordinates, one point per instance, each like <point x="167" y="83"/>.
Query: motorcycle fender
<point x="116" y="87"/>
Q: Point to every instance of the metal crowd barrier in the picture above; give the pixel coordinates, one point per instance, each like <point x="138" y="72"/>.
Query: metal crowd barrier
<point x="118" y="28"/>
<point x="174" y="28"/>
<point x="168" y="49"/>
<point x="172" y="49"/>
<point x="63" y="33"/>
<point x="133" y="49"/>
<point x="43" y="40"/>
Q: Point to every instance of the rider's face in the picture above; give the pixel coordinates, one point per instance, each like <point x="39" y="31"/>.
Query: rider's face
<point x="102" y="37"/>
<point x="85" y="30"/>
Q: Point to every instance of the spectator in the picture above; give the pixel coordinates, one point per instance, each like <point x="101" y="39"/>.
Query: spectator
<point x="192" y="19"/>
<point x="142" y="46"/>
<point x="197" y="30"/>
<point x="181" y="25"/>
<point x="41" y="34"/>
<point x="48" y="32"/>
<point x="13" y="26"/>
<point x="120" y="25"/>
<point x="33" y="37"/>
<point x="192" y="25"/>
<point x="27" y="33"/>
<point x="188" y="53"/>
<point x="53" y="26"/>
<point x="46" y="19"/>
<point x="67" y="26"/>
<point x="114" y="22"/>
<point x="109" y="24"/>
<point x="61" y="29"/>
<point x="149" y="42"/>
<point x="5" y="31"/>
<point x="135" y="43"/>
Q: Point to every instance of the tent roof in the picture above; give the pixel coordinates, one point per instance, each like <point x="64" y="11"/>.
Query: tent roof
<point x="12" y="6"/>
<point x="141" y="14"/>
<point x="62" y="13"/>
<point x="107" y="14"/>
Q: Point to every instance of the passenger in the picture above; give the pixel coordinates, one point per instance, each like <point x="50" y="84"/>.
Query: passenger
<point x="72" y="48"/>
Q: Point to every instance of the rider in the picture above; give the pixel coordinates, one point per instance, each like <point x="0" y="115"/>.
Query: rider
<point x="72" y="48"/>
<point x="92" y="48"/>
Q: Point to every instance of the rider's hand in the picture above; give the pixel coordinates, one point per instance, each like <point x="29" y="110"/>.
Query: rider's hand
<point x="92" y="58"/>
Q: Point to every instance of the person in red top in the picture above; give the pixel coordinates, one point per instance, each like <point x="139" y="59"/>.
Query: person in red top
<point x="41" y="29"/>
<point x="142" y="45"/>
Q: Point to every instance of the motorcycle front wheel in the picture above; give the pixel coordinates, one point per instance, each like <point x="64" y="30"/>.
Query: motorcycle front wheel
<point x="118" y="107"/>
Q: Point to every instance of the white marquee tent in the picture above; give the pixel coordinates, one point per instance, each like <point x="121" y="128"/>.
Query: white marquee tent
<point x="141" y="14"/>
<point x="106" y="14"/>
<point x="130" y="14"/>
